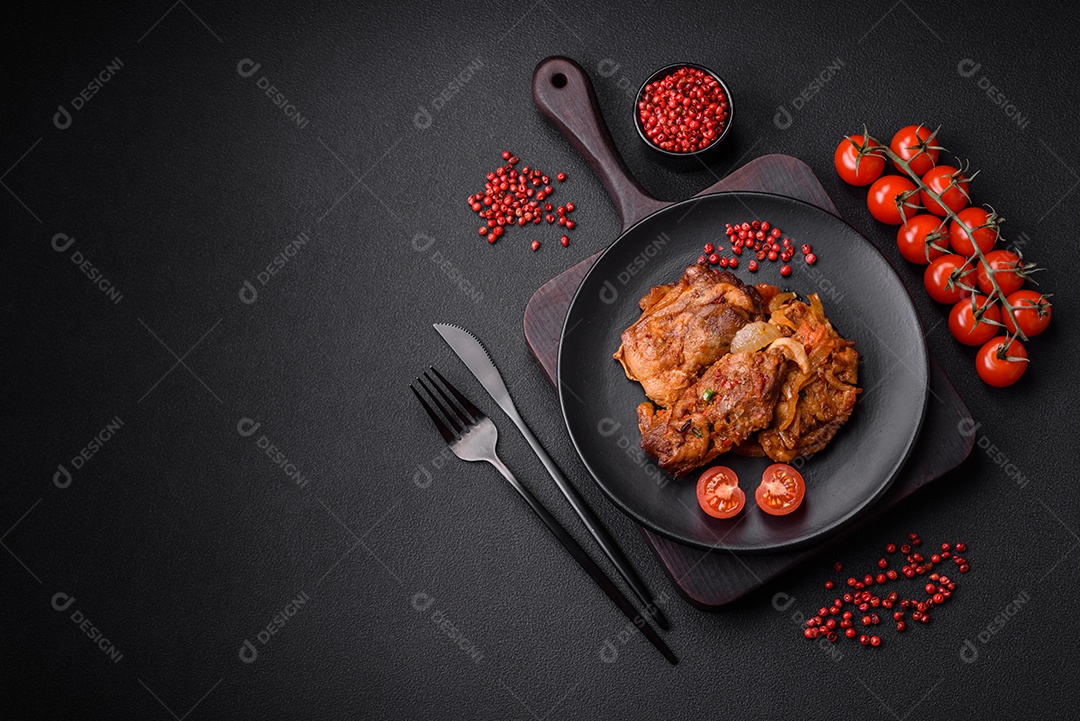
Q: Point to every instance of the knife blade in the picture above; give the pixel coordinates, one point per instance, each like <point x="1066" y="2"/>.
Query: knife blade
<point x="476" y="358"/>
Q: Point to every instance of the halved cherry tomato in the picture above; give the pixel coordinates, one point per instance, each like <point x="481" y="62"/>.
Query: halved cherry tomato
<point x="911" y="239"/>
<point x="983" y="231"/>
<point x="856" y="169"/>
<point x="718" y="492"/>
<point x="1031" y="311"/>
<point x="1000" y="362"/>
<point x="964" y="326"/>
<point x="943" y="279"/>
<point x="915" y="145"/>
<point x="1005" y="264"/>
<point x="950" y="184"/>
<point x="883" y="196"/>
<point x="781" y="491"/>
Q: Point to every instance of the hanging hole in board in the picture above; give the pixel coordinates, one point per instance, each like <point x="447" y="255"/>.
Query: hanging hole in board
<point x="558" y="80"/>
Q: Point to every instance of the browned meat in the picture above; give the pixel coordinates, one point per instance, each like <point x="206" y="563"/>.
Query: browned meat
<point x="741" y="388"/>
<point x="813" y="405"/>
<point x="684" y="328"/>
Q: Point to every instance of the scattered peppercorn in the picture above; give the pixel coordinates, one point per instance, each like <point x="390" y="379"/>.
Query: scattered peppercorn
<point x="938" y="589"/>
<point x="513" y="197"/>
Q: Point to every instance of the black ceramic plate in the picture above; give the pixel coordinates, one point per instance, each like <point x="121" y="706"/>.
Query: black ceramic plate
<point x="862" y="296"/>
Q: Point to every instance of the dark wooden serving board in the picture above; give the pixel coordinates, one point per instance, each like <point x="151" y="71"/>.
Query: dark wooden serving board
<point x="711" y="580"/>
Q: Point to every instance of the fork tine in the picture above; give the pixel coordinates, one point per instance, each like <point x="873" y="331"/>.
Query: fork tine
<point x="461" y="414"/>
<point x="447" y="435"/>
<point x="439" y="399"/>
<point x="469" y="407"/>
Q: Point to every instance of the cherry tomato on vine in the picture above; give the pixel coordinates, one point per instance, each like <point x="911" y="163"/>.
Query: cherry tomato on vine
<point x="1001" y="363"/>
<point x="913" y="144"/>
<point x="718" y="492"/>
<point x="1031" y="311"/>
<point x="911" y="239"/>
<point x="963" y="324"/>
<point x="881" y="200"/>
<point x="781" y="491"/>
<point x="853" y="169"/>
<point x="1006" y="265"/>
<point x="983" y="230"/>
<point x="942" y="279"/>
<point x="950" y="184"/>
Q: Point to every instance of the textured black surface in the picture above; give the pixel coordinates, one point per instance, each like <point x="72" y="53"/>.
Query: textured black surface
<point x="180" y="538"/>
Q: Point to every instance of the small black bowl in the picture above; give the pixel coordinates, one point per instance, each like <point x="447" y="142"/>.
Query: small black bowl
<point x="698" y="158"/>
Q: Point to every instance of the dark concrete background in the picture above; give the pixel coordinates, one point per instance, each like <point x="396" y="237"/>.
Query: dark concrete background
<point x="180" y="539"/>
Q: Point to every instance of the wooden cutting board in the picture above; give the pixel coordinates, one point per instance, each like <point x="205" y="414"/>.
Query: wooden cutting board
<point x="564" y="95"/>
<point x="713" y="580"/>
<point x="710" y="580"/>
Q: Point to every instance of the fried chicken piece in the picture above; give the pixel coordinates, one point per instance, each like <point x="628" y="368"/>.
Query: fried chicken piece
<point x="684" y="328"/>
<point x="741" y="391"/>
<point x="814" y="405"/>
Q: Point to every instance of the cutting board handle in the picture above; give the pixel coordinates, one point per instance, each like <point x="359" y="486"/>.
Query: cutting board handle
<point x="566" y="98"/>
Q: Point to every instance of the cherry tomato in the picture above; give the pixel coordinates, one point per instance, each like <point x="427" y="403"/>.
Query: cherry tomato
<point x="853" y="168"/>
<point x="964" y="326"/>
<point x="1005" y="264"/>
<point x="940" y="180"/>
<point x="914" y="144"/>
<point x="1001" y="363"/>
<point x="1031" y="311"/>
<point x="781" y="491"/>
<point x="977" y="220"/>
<point x="881" y="200"/>
<point x="718" y="492"/>
<point x="911" y="239"/>
<point x="942" y="280"/>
